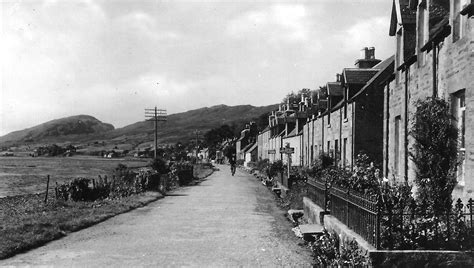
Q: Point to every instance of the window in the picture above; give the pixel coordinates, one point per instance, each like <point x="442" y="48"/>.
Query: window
<point x="346" y="93"/>
<point x="459" y="113"/>
<point x="396" y="148"/>
<point x="336" y="151"/>
<point x="344" y="152"/>
<point x="422" y="32"/>
<point x="459" y="22"/>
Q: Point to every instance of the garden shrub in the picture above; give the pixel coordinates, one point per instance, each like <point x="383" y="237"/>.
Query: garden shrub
<point x="323" y="161"/>
<point x="182" y="172"/>
<point x="329" y="251"/>
<point x="276" y="168"/>
<point x="262" y="165"/>
<point x="127" y="183"/>
<point x="435" y="153"/>
<point x="159" y="164"/>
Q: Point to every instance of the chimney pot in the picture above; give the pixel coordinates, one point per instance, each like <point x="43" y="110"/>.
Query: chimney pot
<point x="338" y="77"/>
<point x="363" y="53"/>
<point x="370" y="53"/>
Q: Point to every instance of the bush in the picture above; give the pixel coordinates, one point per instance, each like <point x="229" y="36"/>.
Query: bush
<point x="276" y="168"/>
<point x="262" y="165"/>
<point x="159" y="164"/>
<point x="323" y="161"/>
<point x="125" y="184"/>
<point x="329" y="251"/>
<point x="240" y="162"/>
<point x="435" y="153"/>
<point x="182" y="172"/>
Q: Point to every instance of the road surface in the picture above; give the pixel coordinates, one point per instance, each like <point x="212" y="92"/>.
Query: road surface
<point x="224" y="221"/>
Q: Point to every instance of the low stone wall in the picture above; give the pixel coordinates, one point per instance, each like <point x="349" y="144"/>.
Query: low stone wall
<point x="315" y="214"/>
<point x="387" y="258"/>
<point x="421" y="258"/>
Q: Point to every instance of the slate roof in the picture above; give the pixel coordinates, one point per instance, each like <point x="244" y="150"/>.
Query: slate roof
<point x="338" y="105"/>
<point x="291" y="134"/>
<point x="386" y="66"/>
<point x="401" y="14"/>
<point x="267" y="128"/>
<point x="334" y="88"/>
<point x="468" y="10"/>
<point x="358" y="76"/>
<point x="249" y="147"/>
<point x="440" y="31"/>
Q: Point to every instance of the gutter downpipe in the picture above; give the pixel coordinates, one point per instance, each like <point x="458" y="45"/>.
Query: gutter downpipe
<point x="435" y="71"/>
<point x="322" y="134"/>
<point x="309" y="146"/>
<point x="340" y="137"/>
<point x="387" y="127"/>
<point x="353" y="135"/>
<point x="407" y="69"/>
<point x="312" y="140"/>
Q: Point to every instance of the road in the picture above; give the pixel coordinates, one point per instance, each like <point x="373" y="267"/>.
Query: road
<point x="224" y="221"/>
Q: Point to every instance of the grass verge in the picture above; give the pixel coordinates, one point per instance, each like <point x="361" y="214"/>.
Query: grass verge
<point x="27" y="222"/>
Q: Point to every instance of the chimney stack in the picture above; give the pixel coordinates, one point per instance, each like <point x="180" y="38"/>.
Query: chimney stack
<point x="367" y="58"/>
<point x="338" y="77"/>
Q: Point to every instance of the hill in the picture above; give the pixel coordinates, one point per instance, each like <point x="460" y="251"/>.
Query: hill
<point x="181" y="126"/>
<point x="58" y="129"/>
<point x="84" y="129"/>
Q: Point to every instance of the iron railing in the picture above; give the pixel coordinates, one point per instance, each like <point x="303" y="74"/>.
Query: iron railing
<point x="358" y="212"/>
<point x="317" y="191"/>
<point x="403" y="225"/>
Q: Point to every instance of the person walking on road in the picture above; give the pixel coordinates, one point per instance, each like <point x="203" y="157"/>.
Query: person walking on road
<point x="232" y="163"/>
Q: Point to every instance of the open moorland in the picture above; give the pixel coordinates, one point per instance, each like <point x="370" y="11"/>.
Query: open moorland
<point x="28" y="175"/>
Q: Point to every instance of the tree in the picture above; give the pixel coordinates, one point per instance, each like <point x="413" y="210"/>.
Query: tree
<point x="216" y="135"/>
<point x="296" y="97"/>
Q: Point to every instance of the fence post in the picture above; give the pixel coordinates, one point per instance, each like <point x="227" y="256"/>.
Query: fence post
<point x="56" y="191"/>
<point x="326" y="195"/>
<point x="377" y="223"/>
<point x="448" y="225"/>
<point x="469" y="203"/>
<point x="347" y="208"/>
<point x="47" y="189"/>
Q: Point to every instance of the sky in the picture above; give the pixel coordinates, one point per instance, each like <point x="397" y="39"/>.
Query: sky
<point x="113" y="59"/>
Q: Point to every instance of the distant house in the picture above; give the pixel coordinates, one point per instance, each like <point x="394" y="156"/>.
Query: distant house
<point x="250" y="153"/>
<point x="247" y="135"/>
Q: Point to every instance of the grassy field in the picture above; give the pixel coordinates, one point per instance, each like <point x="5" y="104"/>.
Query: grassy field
<point x="27" y="175"/>
<point x="26" y="221"/>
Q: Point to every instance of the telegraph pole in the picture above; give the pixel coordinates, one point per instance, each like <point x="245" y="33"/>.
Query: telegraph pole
<point x="155" y="115"/>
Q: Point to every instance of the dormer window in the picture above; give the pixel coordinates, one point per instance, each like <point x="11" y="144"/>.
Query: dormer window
<point x="459" y="22"/>
<point x="422" y="25"/>
<point x="399" y="55"/>
<point x="346" y="93"/>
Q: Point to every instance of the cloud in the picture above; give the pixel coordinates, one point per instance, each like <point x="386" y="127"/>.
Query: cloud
<point x="280" y="22"/>
<point x="106" y="58"/>
<point x="367" y="33"/>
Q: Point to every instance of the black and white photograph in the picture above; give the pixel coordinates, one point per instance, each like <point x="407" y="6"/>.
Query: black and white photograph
<point x="237" y="133"/>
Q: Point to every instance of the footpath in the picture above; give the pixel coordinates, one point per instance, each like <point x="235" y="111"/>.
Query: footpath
<point x="223" y="221"/>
